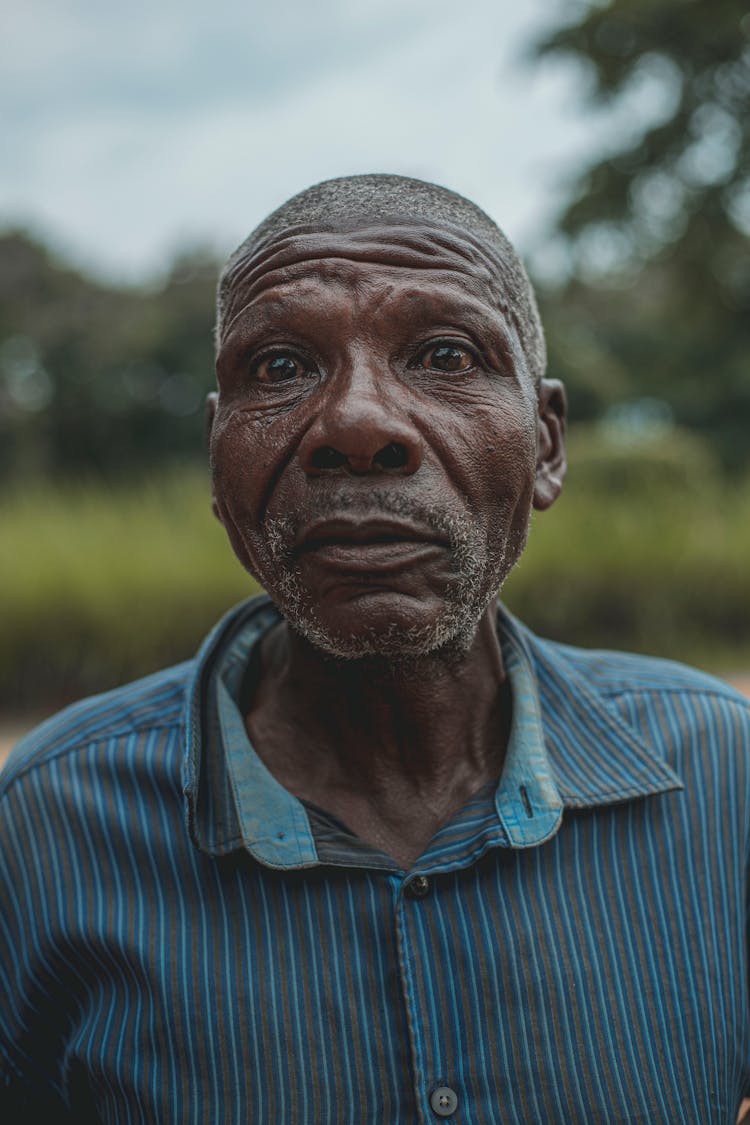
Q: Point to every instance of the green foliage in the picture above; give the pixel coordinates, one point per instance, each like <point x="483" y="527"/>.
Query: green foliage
<point x="618" y="467"/>
<point x="646" y="550"/>
<point x="659" y="297"/>
<point x="96" y="378"/>
<point x="100" y="584"/>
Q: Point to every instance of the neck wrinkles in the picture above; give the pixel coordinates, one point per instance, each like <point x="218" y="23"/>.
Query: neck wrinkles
<point x="425" y="718"/>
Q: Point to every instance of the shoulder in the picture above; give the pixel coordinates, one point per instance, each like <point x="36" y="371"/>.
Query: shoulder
<point x="615" y="674"/>
<point x="156" y="702"/>
<point x="693" y="721"/>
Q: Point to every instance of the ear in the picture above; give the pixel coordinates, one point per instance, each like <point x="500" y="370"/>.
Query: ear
<point x="550" y="443"/>
<point x="212" y="400"/>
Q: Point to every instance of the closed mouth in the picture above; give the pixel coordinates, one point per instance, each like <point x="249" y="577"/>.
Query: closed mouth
<point x="366" y="536"/>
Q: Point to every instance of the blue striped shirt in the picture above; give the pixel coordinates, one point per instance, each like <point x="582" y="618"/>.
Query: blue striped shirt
<point x="181" y="940"/>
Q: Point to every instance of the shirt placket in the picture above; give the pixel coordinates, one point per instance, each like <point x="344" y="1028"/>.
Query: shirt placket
<point x="436" y="1089"/>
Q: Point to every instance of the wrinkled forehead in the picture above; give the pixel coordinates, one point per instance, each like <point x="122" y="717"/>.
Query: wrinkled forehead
<point x="428" y="250"/>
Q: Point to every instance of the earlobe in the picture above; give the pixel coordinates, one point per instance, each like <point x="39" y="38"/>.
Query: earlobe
<point x="212" y="400"/>
<point x="550" y="462"/>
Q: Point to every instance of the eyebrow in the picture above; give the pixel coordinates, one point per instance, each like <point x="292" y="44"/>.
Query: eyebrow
<point x="453" y="305"/>
<point x="476" y="314"/>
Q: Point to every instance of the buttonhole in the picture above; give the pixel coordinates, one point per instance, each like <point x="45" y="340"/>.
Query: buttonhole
<point x="525" y="798"/>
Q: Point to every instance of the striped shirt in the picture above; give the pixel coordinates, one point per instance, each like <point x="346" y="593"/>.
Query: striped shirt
<point x="182" y="941"/>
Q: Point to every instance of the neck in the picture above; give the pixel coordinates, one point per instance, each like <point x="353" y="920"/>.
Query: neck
<point x="379" y="735"/>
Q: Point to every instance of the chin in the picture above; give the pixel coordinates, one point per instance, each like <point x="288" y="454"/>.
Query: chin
<point x="389" y="640"/>
<point x="385" y="624"/>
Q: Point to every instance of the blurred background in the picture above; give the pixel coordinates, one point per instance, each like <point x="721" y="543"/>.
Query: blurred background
<point x="610" y="140"/>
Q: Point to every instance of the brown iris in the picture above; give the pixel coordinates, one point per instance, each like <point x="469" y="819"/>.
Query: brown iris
<point x="277" y="368"/>
<point x="448" y="357"/>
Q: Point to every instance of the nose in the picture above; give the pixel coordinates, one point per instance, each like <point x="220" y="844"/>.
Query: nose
<point x="361" y="427"/>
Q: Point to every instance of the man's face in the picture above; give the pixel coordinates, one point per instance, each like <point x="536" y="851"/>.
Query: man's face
<point x="377" y="440"/>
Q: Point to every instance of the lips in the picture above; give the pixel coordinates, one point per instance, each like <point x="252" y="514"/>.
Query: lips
<point x="367" y="544"/>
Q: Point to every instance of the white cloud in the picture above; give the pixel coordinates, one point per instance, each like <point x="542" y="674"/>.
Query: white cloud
<point x="182" y="122"/>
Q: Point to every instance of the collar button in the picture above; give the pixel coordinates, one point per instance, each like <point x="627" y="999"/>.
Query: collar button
<point x="418" y="886"/>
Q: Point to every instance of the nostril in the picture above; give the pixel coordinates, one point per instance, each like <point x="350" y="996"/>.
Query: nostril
<point x="392" y="456"/>
<point x="326" y="457"/>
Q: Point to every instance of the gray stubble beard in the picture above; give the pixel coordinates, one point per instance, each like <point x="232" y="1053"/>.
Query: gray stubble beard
<point x="480" y="573"/>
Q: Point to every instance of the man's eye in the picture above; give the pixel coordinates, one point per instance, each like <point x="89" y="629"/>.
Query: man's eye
<point x="447" y="357"/>
<point x="277" y="368"/>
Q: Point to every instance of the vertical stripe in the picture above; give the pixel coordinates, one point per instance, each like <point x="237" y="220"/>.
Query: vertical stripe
<point x="153" y="969"/>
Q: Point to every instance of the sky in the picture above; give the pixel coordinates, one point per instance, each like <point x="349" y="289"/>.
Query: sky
<point x="133" y="130"/>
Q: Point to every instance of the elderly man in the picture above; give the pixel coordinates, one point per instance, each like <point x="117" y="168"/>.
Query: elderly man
<point x="378" y="854"/>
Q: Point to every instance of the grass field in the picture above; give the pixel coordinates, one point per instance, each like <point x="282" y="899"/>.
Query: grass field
<point x="98" y="585"/>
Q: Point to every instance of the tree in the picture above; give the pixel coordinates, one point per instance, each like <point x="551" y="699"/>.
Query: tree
<point x="656" y="229"/>
<point x="100" y="378"/>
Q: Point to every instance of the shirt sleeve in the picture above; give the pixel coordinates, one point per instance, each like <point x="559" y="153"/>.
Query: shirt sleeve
<point x="34" y="1015"/>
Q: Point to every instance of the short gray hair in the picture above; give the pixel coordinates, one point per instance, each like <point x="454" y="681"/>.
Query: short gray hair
<point x="383" y="197"/>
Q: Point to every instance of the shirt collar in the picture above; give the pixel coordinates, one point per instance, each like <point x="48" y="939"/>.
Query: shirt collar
<point x="528" y="802"/>
<point x="567" y="749"/>
<point x="596" y="757"/>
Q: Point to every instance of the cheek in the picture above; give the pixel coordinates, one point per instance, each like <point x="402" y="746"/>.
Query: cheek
<point x="493" y="451"/>
<point x="231" y="470"/>
<point x="239" y="472"/>
<point x="247" y="454"/>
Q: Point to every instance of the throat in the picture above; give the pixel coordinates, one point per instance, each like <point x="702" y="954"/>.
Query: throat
<point x="393" y="754"/>
<point x="402" y="830"/>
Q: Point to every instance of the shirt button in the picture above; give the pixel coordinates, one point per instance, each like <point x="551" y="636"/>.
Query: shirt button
<point x="443" y="1101"/>
<point x="418" y="886"/>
